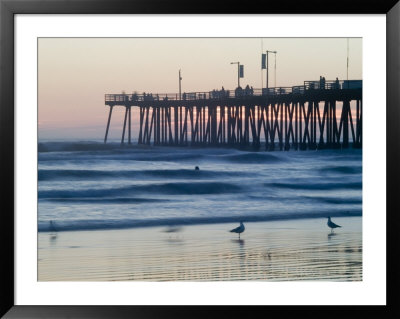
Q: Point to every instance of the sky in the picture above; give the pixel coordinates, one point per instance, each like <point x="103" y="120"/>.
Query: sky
<point x="75" y="73"/>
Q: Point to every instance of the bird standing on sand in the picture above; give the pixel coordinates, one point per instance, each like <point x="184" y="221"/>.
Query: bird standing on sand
<point x="239" y="229"/>
<point x="331" y="224"/>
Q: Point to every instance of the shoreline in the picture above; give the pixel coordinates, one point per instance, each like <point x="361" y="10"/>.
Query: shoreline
<point x="280" y="250"/>
<point x="134" y="224"/>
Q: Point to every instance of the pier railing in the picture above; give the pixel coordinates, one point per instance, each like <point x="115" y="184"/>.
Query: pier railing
<point x="237" y="93"/>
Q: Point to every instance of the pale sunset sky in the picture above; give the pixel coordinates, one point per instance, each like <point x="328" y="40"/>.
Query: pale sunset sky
<point x="75" y="73"/>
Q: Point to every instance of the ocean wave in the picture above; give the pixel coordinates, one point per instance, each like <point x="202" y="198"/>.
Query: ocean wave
<point x="75" y="146"/>
<point x="105" y="224"/>
<point x="115" y="200"/>
<point x="76" y="174"/>
<point x="126" y="156"/>
<point x="72" y="151"/>
<point x="167" y="188"/>
<point x="317" y="186"/>
<point x="302" y="199"/>
<point x="342" y="169"/>
<point x="252" y="158"/>
<point x="335" y="200"/>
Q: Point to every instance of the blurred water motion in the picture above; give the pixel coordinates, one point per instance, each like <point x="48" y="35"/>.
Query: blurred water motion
<point x="173" y="229"/>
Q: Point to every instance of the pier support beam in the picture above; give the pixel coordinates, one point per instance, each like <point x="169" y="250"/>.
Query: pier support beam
<point x="345" y="112"/>
<point x="108" y="123"/>
<point x="123" y="131"/>
<point x="129" y="126"/>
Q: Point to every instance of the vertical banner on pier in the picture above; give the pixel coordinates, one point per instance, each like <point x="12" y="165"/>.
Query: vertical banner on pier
<point x="241" y="71"/>
<point x="263" y="58"/>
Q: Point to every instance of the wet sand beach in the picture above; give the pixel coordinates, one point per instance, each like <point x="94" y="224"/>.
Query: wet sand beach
<point x="288" y="250"/>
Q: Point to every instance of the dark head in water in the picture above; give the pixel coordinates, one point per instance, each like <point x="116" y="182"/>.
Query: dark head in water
<point x="197" y="168"/>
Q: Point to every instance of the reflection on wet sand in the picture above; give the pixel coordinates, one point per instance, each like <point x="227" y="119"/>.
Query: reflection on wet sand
<point x="331" y="235"/>
<point x="238" y="241"/>
<point x="205" y="253"/>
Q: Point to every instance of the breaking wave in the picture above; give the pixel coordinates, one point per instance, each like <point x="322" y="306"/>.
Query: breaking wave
<point x="167" y="188"/>
<point x="76" y="174"/>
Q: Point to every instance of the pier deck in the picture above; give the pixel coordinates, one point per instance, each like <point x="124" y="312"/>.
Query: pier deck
<point x="314" y="115"/>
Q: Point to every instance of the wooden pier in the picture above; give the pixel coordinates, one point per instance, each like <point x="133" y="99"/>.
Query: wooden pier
<point x="315" y="115"/>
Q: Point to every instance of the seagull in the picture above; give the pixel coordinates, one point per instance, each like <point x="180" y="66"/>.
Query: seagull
<point x="331" y="224"/>
<point x="239" y="229"/>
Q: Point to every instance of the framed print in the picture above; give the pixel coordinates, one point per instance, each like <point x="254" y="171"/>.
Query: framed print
<point x="155" y="155"/>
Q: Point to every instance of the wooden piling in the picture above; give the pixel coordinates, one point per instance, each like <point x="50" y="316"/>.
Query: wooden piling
<point x="108" y="124"/>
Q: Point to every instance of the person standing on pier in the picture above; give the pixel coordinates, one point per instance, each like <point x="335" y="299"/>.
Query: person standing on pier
<point x="247" y="90"/>
<point x="337" y="84"/>
<point x="321" y="83"/>
<point x="238" y="91"/>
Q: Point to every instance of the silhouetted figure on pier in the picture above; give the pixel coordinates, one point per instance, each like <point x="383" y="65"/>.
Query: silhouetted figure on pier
<point x="322" y="83"/>
<point x="238" y="92"/>
<point x="247" y="90"/>
<point x="134" y="97"/>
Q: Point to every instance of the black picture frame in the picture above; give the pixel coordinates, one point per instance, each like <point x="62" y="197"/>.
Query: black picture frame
<point x="8" y="8"/>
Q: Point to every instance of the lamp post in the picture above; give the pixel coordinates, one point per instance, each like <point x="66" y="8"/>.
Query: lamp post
<point x="238" y="64"/>
<point x="180" y="80"/>
<point x="347" y="77"/>
<point x="268" y="65"/>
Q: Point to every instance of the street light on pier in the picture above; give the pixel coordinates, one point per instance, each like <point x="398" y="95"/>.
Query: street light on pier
<point x="274" y="52"/>
<point x="240" y="71"/>
<point x="180" y="82"/>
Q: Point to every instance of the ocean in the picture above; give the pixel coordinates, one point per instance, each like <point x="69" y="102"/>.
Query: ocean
<point x="94" y="186"/>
